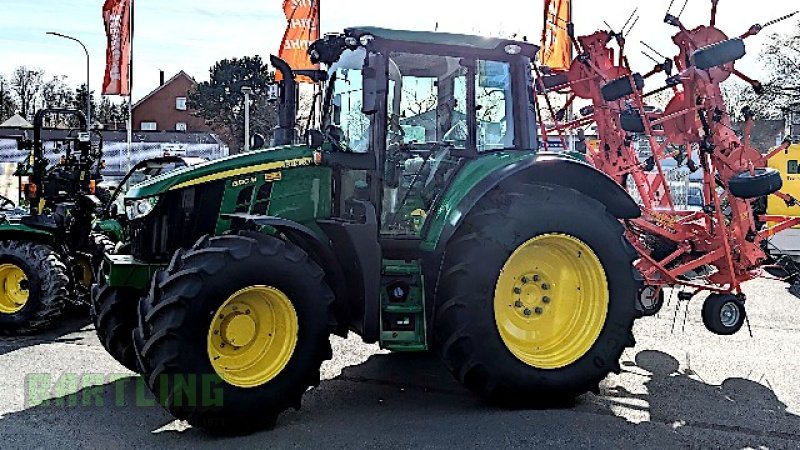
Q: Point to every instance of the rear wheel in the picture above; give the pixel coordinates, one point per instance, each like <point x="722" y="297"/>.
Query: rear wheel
<point x="33" y="287"/>
<point x="537" y="296"/>
<point x="244" y="315"/>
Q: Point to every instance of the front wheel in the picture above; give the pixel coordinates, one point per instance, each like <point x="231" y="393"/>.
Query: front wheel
<point x="537" y="296"/>
<point x="234" y="331"/>
<point x="33" y="287"/>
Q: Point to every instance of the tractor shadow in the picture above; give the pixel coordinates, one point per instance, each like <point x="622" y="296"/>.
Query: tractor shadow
<point x="71" y="329"/>
<point x="397" y="400"/>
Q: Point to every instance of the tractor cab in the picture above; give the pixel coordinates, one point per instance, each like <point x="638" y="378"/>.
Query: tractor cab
<point x="404" y="111"/>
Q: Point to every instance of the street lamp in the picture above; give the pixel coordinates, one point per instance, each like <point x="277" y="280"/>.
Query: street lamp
<point x="88" y="90"/>
<point x="247" y="90"/>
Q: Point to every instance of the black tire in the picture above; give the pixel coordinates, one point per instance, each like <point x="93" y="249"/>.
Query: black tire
<point x="718" y="54"/>
<point x="764" y="182"/>
<point x="47" y="284"/>
<point x="172" y="339"/>
<point x="621" y="87"/>
<point x="114" y="317"/>
<point x="466" y="335"/>
<point x="724" y="314"/>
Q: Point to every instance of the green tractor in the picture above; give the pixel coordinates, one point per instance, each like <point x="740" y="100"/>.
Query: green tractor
<point x="50" y="250"/>
<point x="419" y="216"/>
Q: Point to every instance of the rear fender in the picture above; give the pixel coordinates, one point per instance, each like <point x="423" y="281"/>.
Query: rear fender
<point x="542" y="168"/>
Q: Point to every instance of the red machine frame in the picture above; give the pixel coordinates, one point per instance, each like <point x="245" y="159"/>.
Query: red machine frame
<point x="673" y="242"/>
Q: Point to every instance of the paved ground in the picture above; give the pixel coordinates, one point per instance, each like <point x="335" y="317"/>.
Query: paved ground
<point x="681" y="387"/>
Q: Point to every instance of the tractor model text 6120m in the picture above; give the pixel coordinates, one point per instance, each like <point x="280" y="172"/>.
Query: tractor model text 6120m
<point x="418" y="215"/>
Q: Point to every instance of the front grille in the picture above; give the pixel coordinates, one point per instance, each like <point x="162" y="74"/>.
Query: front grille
<point x="178" y="221"/>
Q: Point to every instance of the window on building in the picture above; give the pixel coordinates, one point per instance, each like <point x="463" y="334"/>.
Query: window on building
<point x="149" y="126"/>
<point x="180" y="103"/>
<point x="180" y="126"/>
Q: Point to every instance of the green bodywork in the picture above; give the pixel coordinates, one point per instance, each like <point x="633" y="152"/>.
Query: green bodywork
<point x="18" y="229"/>
<point x="111" y="228"/>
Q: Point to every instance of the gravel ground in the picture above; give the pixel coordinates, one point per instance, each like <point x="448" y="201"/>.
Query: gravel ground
<point x="680" y="387"/>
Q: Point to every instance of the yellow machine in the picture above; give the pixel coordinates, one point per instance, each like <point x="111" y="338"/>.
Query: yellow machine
<point x="786" y="243"/>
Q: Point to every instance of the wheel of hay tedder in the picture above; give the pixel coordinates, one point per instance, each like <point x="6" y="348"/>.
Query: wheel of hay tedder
<point x="762" y="182"/>
<point x="33" y="287"/>
<point x="537" y="296"/>
<point x="724" y="314"/>
<point x="651" y="299"/>
<point x="248" y="314"/>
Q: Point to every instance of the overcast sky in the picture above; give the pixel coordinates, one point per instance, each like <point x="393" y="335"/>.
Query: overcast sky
<point x="191" y="35"/>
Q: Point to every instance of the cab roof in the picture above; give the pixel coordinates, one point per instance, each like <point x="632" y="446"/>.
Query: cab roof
<point x="445" y="39"/>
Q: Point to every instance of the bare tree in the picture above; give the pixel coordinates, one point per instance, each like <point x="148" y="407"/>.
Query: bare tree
<point x="781" y="56"/>
<point x="27" y="85"/>
<point x="8" y="107"/>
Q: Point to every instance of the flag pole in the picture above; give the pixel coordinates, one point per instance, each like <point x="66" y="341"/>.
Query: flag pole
<point x="130" y="86"/>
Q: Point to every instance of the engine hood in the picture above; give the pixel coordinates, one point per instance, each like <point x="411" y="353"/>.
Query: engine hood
<point x="221" y="169"/>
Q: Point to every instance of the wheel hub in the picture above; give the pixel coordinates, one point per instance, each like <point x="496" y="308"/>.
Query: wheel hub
<point x="238" y="330"/>
<point x="532" y="299"/>
<point x="14" y="289"/>
<point x="729" y="314"/>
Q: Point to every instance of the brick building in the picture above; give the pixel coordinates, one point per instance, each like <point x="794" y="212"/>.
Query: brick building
<point x="166" y="108"/>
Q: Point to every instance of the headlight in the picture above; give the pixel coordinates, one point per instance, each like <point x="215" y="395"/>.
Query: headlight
<point x="136" y="209"/>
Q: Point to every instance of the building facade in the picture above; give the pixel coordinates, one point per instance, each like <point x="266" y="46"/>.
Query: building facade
<point x="167" y="109"/>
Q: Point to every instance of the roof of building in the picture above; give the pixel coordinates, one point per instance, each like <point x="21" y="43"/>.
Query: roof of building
<point x="174" y="137"/>
<point x="166" y="83"/>
<point x="16" y="121"/>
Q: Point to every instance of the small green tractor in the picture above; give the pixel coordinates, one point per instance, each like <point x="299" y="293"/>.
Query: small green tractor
<point x="50" y="250"/>
<point x="420" y="215"/>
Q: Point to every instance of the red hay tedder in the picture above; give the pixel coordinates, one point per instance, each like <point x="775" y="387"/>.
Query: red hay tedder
<point x="714" y="249"/>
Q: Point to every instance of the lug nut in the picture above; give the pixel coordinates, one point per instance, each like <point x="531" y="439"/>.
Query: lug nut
<point x="518" y="304"/>
<point x="545" y="286"/>
<point x="545" y="299"/>
<point x="539" y="310"/>
<point x="527" y="312"/>
<point x="536" y="278"/>
<point x="517" y="290"/>
<point x="524" y="280"/>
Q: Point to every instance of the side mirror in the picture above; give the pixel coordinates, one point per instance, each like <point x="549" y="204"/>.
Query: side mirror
<point x="315" y="139"/>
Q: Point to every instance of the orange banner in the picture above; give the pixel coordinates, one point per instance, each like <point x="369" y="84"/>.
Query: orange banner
<point x="556" y="50"/>
<point x="302" y="30"/>
<point x="116" y="16"/>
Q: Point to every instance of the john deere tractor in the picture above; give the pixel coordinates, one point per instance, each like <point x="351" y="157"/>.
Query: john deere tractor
<point x="419" y="216"/>
<point x="49" y="250"/>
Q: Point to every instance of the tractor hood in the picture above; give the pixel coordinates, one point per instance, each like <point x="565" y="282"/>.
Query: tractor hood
<point x="221" y="169"/>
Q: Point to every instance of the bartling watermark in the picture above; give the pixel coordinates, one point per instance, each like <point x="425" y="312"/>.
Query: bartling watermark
<point x="72" y="390"/>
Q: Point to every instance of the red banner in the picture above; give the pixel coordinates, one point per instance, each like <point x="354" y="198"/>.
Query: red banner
<point x="116" y="16"/>
<point x="302" y="30"/>
<point x="556" y="50"/>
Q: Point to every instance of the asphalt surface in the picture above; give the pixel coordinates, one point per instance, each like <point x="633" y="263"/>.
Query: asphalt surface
<point x="681" y="387"/>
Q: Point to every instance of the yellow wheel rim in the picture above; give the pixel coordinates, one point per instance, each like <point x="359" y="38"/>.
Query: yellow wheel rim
<point x="14" y="284"/>
<point x="551" y="301"/>
<point x="252" y="336"/>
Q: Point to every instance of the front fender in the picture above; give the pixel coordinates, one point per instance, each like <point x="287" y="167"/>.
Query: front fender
<point x="18" y="231"/>
<point x="480" y="177"/>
